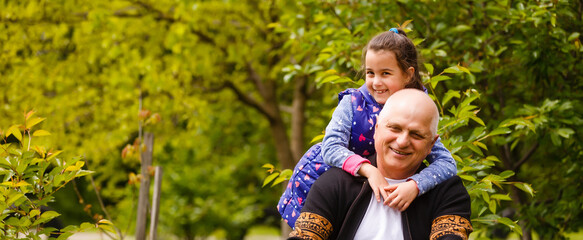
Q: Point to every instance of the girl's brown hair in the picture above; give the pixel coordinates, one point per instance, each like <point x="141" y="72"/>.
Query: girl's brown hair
<point x="404" y="50"/>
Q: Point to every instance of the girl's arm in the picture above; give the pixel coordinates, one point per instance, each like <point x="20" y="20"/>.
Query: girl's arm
<point x="335" y="150"/>
<point x="442" y="167"/>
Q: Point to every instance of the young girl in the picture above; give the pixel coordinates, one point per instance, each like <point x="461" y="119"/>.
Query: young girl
<point x="390" y="64"/>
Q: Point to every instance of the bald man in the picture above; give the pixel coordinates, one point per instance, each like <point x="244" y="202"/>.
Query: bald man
<point x="341" y="206"/>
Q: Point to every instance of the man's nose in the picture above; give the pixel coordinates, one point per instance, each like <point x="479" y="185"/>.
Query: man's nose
<point x="403" y="140"/>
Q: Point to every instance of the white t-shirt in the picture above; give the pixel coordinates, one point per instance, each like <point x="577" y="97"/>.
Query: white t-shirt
<point x="380" y="221"/>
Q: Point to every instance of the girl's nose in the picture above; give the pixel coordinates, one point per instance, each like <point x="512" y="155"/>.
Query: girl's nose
<point x="376" y="80"/>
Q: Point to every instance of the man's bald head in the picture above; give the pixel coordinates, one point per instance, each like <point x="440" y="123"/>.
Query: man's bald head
<point x="405" y="133"/>
<point x="414" y="100"/>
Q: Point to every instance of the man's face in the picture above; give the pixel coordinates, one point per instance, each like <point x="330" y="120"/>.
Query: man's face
<point x="403" y="139"/>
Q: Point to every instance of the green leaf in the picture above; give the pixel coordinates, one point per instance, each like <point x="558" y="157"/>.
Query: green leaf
<point x="270" y="178"/>
<point x="65" y="236"/>
<point x="46" y="216"/>
<point x="449" y="95"/>
<point x="329" y="79"/>
<point x="493" y="158"/>
<point x="525" y="187"/>
<point x="480" y="144"/>
<point x="32" y="122"/>
<point x="279" y="179"/>
<point x="429" y="68"/>
<point x="474" y="149"/>
<point x="454" y="69"/>
<point x="435" y="80"/>
<point x="14" y="196"/>
<point x="499" y="131"/>
<point x="503" y="197"/>
<point x="573" y="36"/>
<point x="317" y="138"/>
<point x="506" y="174"/>
<point x="273" y="25"/>
<point x="86" y="226"/>
<point x="268" y="166"/>
<point x="81" y="173"/>
<point x="478" y="120"/>
<point x="461" y="28"/>
<point x="492" y="206"/>
<point x="286" y="173"/>
<point x="467" y="177"/>
<point x="14" y="130"/>
<point x="464" y="69"/>
<point x="34" y="212"/>
<point x="485" y="196"/>
<point x="105" y="225"/>
<point x="555" y="139"/>
<point x="511" y="224"/>
<point x="565" y="132"/>
<point x="417" y="41"/>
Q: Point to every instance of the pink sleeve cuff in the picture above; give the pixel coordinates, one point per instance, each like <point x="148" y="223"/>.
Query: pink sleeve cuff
<point x="352" y="164"/>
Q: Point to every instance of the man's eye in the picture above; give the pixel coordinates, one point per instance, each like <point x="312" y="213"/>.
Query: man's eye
<point x="417" y="136"/>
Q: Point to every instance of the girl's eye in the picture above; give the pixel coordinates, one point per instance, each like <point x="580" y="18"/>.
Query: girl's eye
<point x="386" y="73"/>
<point x="369" y="73"/>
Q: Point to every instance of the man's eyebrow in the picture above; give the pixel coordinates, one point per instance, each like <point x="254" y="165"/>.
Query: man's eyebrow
<point x="390" y="124"/>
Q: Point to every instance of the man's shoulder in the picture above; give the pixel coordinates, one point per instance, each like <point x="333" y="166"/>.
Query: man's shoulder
<point x="336" y="174"/>
<point x="336" y="178"/>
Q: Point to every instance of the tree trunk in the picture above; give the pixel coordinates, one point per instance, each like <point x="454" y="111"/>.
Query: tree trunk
<point x="282" y="146"/>
<point x="298" y="118"/>
<point x="517" y="199"/>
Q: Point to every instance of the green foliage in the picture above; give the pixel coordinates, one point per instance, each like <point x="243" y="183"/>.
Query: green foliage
<point x="30" y="177"/>
<point x="483" y="182"/>
<point x="231" y="80"/>
<point x="275" y="176"/>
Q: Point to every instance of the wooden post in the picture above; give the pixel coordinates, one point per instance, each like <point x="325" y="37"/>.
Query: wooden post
<point x="155" y="203"/>
<point x="142" y="214"/>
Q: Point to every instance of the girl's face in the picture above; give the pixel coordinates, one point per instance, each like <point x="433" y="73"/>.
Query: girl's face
<point x="383" y="75"/>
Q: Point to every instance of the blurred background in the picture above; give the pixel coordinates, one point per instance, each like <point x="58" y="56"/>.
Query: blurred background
<point x="227" y="87"/>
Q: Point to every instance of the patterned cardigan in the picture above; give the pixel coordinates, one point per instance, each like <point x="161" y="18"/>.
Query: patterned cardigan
<point x="338" y="201"/>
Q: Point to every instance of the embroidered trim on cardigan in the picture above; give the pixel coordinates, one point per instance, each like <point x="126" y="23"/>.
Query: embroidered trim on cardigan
<point x="312" y="226"/>
<point x="450" y="225"/>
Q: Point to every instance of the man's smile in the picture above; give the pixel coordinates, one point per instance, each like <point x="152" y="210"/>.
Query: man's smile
<point x="399" y="152"/>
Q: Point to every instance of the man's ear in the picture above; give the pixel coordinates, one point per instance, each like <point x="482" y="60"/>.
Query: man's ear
<point x="435" y="139"/>
<point x="374" y="136"/>
<point x="433" y="143"/>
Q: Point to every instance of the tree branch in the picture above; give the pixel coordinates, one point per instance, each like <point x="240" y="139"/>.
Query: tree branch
<point x="161" y="15"/>
<point x="526" y="157"/>
<point x="256" y="79"/>
<point x="506" y="158"/>
<point x="331" y="8"/>
<point x="250" y="101"/>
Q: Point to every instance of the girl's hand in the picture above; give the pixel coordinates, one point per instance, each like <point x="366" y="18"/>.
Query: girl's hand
<point x="375" y="179"/>
<point x="402" y="195"/>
